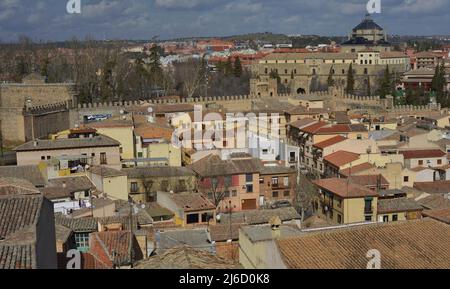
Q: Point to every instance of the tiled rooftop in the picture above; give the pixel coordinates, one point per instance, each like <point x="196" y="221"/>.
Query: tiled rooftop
<point x="421" y="244"/>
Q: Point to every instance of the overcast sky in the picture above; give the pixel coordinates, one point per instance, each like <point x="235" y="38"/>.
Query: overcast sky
<point x="143" y="19"/>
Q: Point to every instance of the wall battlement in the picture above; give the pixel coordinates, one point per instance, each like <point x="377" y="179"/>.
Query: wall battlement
<point x="200" y="100"/>
<point x="38" y="109"/>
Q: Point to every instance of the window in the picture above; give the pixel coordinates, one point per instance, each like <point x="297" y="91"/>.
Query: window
<point x="206" y="217"/>
<point x="249" y="178"/>
<point x="134" y="187"/>
<point x="84" y="159"/>
<point x="286" y="194"/>
<point x="339" y="203"/>
<point x="339" y="218"/>
<point x="103" y="160"/>
<point x="82" y="240"/>
<point x="164" y="185"/>
<point x="226" y="194"/>
<point x="286" y="181"/>
<point x="192" y="219"/>
<point x="385" y="219"/>
<point x="365" y="71"/>
<point x="261" y="180"/>
<point x="275" y="194"/>
<point x="42" y="157"/>
<point x="420" y="162"/>
<point x="249" y="188"/>
<point x="368" y="206"/>
<point x="359" y="136"/>
<point x="234" y="193"/>
<point x="275" y="182"/>
<point x="182" y="185"/>
<point x="49" y="157"/>
<point x="406" y="179"/>
<point x="368" y="218"/>
<point x="394" y="218"/>
<point x="439" y="162"/>
<point x="87" y="194"/>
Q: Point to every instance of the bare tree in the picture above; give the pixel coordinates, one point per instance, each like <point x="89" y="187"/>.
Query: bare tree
<point x="189" y="76"/>
<point x="306" y="194"/>
<point x="216" y="188"/>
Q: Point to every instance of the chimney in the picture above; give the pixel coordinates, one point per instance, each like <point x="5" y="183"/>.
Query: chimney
<point x="64" y="185"/>
<point x="275" y="224"/>
<point x="35" y="143"/>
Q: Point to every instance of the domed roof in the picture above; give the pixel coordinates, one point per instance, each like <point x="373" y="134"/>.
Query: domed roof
<point x="368" y="24"/>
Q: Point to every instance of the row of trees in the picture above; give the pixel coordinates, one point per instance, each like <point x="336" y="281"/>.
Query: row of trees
<point x="105" y="72"/>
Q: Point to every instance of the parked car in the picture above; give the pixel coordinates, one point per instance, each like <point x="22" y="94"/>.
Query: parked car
<point x="281" y="204"/>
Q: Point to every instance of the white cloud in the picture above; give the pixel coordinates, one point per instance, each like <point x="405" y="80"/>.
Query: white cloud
<point x="420" y="6"/>
<point x="179" y="4"/>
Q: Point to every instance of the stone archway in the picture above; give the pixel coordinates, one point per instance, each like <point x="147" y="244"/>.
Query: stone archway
<point x="301" y="90"/>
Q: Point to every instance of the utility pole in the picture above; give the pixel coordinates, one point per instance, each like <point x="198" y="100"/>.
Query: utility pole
<point x="231" y="210"/>
<point x="1" y="145"/>
<point x="130" y="250"/>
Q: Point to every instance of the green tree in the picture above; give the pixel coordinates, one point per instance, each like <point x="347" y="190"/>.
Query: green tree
<point x="155" y="65"/>
<point x="237" y="67"/>
<point x="228" y="67"/>
<point x="330" y="80"/>
<point x="438" y="84"/>
<point x="385" y="83"/>
<point x="274" y="74"/>
<point x="350" y="80"/>
<point x="44" y="67"/>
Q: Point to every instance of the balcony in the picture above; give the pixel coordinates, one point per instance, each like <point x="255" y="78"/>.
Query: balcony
<point x="368" y="210"/>
<point x="293" y="160"/>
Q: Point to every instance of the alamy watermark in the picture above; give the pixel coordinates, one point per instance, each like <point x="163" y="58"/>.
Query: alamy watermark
<point x="237" y="130"/>
<point x="74" y="257"/>
<point x="73" y="6"/>
<point x="375" y="261"/>
<point x="373" y="6"/>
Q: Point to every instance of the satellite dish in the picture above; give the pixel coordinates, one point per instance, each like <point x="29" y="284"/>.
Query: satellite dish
<point x="218" y="217"/>
<point x="150" y="109"/>
<point x="143" y="206"/>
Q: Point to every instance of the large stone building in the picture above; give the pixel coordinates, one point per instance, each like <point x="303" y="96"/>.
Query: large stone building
<point x="367" y="51"/>
<point x="367" y="34"/>
<point x="34" y="108"/>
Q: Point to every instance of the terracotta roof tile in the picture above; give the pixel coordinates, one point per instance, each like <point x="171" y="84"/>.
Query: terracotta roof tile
<point x="421" y="154"/>
<point x="421" y="244"/>
<point x="341" y="158"/>
<point x="442" y="215"/>
<point x="398" y="205"/>
<point x="185" y="257"/>
<point x="356" y="169"/>
<point x="436" y="187"/>
<point x="191" y="201"/>
<point x="330" y="142"/>
<point x="344" y="189"/>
